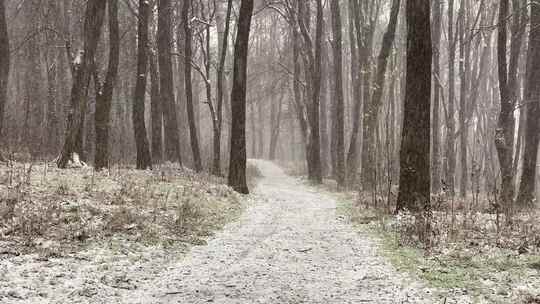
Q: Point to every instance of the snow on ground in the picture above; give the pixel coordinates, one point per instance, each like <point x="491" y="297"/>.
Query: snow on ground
<point x="288" y="247"/>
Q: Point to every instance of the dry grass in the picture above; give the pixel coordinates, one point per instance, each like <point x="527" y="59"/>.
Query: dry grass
<point x="44" y="207"/>
<point x="472" y="248"/>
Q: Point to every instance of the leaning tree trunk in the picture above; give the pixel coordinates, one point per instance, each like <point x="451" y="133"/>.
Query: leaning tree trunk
<point x="237" y="164"/>
<point x="104" y="96"/>
<point x="189" y="89"/>
<point x="526" y="196"/>
<point x="371" y="119"/>
<point x="339" y="114"/>
<point x="95" y="11"/>
<point x="4" y="65"/>
<point x="414" y="181"/>
<point x="144" y="160"/>
<point x="164" y="43"/>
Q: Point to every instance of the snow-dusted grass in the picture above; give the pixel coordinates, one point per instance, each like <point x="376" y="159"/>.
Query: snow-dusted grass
<point x="471" y="260"/>
<point x="88" y="229"/>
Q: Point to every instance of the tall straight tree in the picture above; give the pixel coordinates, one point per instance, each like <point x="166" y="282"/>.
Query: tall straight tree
<point x="144" y="160"/>
<point x="504" y="135"/>
<point x="435" y="120"/>
<point x="216" y="168"/>
<point x="189" y="89"/>
<point x="339" y="114"/>
<point x="526" y="196"/>
<point x="4" y="64"/>
<point x="93" y="21"/>
<point x="450" y="165"/>
<point x="237" y="164"/>
<point x="105" y="91"/>
<point x="156" y="109"/>
<point x="414" y="181"/>
<point x="164" y="44"/>
<point x="314" y="56"/>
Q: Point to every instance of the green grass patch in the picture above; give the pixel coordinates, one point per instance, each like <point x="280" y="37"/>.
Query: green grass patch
<point x="489" y="273"/>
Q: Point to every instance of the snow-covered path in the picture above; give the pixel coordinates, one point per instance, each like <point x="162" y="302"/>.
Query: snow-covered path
<point x="289" y="247"/>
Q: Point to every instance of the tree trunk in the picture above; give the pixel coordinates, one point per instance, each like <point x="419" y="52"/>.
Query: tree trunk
<point x="464" y="64"/>
<point x="237" y="165"/>
<point x="275" y="125"/>
<point x="103" y="99"/>
<point x="504" y="137"/>
<point x="526" y="195"/>
<point x="164" y="43"/>
<point x="189" y="89"/>
<point x="220" y="88"/>
<point x="95" y="11"/>
<point x="414" y="182"/>
<point x="156" y="110"/>
<point x="313" y="51"/>
<point x="450" y="123"/>
<point x="373" y="108"/>
<point x="339" y="114"/>
<point x="4" y="67"/>
<point x="435" y="121"/>
<point x="144" y="160"/>
<point x="356" y="83"/>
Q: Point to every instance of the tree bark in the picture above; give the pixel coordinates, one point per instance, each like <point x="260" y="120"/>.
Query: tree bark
<point x="339" y="114"/>
<point x="526" y="195"/>
<point x="313" y="51"/>
<point x="4" y="66"/>
<point x="373" y="108"/>
<point x="156" y="109"/>
<point x="189" y="89"/>
<point x="144" y="159"/>
<point x="414" y="182"/>
<point x="504" y="137"/>
<point x="237" y="165"/>
<point x="105" y="94"/>
<point x="435" y="121"/>
<point x="220" y="89"/>
<point x="450" y="123"/>
<point x="95" y="11"/>
<point x="164" y="43"/>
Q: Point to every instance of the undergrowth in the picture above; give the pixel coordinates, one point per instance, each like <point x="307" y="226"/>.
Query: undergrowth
<point x="470" y="255"/>
<point x="42" y="207"/>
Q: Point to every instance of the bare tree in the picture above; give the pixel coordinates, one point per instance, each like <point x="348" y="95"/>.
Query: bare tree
<point x="414" y="181"/>
<point x="144" y="159"/>
<point x="339" y="114"/>
<point x="526" y="195"/>
<point x="216" y="168"/>
<point x="105" y="91"/>
<point x="188" y="86"/>
<point x="313" y="54"/>
<point x="237" y="164"/>
<point x="4" y="65"/>
<point x="373" y="108"/>
<point x="164" y="44"/>
<point x="95" y="11"/>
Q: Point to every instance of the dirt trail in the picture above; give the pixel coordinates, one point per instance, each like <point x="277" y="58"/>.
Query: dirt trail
<point x="289" y="247"/>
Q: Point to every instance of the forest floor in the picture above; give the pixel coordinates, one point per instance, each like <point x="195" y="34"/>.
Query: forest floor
<point x="78" y="236"/>
<point x="289" y="246"/>
<point x="293" y="244"/>
<point x="474" y="257"/>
